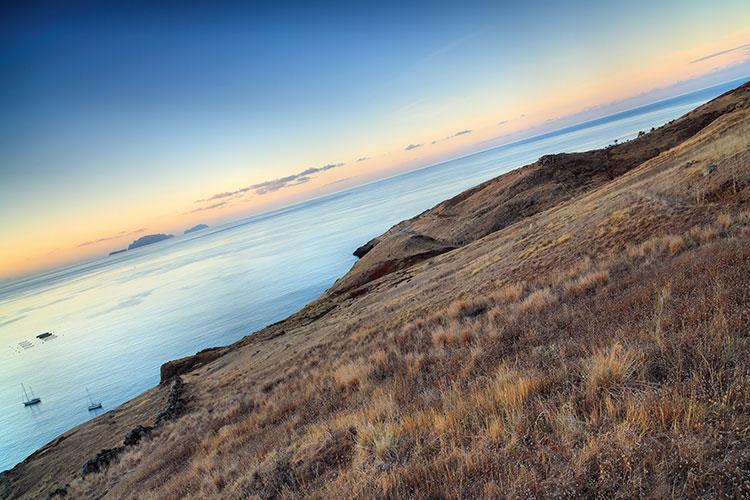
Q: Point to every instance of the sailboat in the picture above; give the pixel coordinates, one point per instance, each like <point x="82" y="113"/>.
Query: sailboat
<point x="30" y="401"/>
<point x="93" y="405"/>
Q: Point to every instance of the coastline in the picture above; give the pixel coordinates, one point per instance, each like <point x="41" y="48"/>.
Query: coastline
<point x="398" y="258"/>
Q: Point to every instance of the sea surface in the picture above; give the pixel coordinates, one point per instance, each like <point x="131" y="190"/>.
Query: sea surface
<point x="117" y="319"/>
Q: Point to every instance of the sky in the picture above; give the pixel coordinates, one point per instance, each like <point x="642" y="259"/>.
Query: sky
<point x="121" y="121"/>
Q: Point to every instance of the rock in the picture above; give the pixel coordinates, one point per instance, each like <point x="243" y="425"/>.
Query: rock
<point x="135" y="435"/>
<point x="58" y="492"/>
<point x="175" y="403"/>
<point x="101" y="461"/>
<point x="362" y="251"/>
<point x="176" y="367"/>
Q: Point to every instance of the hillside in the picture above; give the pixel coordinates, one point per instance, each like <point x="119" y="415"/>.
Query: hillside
<point x="576" y="327"/>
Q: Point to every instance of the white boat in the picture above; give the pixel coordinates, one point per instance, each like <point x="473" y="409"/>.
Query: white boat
<point x="93" y="405"/>
<point x="30" y="401"/>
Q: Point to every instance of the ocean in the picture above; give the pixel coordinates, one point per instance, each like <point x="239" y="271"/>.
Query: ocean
<point x="117" y="319"/>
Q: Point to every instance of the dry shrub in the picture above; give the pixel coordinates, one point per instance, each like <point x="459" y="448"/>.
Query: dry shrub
<point x="538" y="301"/>
<point x="350" y="375"/>
<point x="585" y="283"/>
<point x="510" y="389"/>
<point x="609" y="370"/>
<point x="467" y="308"/>
<point x="454" y="334"/>
<point x="724" y="221"/>
<point x="509" y="293"/>
<point x="377" y="441"/>
<point x="673" y="244"/>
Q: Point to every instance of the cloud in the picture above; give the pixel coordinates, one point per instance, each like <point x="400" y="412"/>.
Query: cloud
<point x="745" y="46"/>
<point x="462" y="132"/>
<point x="412" y="146"/>
<point x="121" y="234"/>
<point x="502" y="122"/>
<point x="209" y="207"/>
<point x="266" y="187"/>
<point x="364" y="158"/>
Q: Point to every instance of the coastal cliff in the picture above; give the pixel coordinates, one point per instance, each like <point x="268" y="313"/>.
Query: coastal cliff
<point x="541" y="332"/>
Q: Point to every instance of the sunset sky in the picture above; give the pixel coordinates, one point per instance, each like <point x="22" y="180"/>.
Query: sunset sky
<point x="119" y="122"/>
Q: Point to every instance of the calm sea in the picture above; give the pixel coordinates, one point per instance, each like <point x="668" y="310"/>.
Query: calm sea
<point x="119" y="318"/>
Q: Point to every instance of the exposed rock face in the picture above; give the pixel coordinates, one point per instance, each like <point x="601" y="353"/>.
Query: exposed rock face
<point x="171" y="369"/>
<point x="362" y="251"/>
<point x="149" y="239"/>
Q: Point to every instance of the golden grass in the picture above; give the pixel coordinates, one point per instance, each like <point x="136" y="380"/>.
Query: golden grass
<point x="503" y="390"/>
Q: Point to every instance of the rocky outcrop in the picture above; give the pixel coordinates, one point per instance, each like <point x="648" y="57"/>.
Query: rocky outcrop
<point x="176" y="367"/>
<point x="175" y="404"/>
<point x="174" y="408"/>
<point x="101" y="460"/>
<point x="134" y="436"/>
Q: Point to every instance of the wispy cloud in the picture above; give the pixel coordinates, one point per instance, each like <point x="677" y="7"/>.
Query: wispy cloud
<point x="266" y="187"/>
<point x="502" y="122"/>
<point x="209" y="207"/>
<point x="363" y="158"/>
<point x="461" y="132"/>
<point x="121" y="234"/>
<point x="721" y="53"/>
<point x="412" y="146"/>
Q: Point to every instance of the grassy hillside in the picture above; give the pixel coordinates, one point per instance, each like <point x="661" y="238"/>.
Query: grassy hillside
<point x="575" y="328"/>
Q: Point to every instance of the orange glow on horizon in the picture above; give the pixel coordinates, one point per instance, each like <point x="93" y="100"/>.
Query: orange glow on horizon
<point x="41" y="247"/>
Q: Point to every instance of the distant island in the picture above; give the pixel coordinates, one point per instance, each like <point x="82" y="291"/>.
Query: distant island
<point x="199" y="227"/>
<point x="149" y="239"/>
<point x="118" y="251"/>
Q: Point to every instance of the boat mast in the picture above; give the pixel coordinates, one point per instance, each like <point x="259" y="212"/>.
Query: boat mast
<point x="24" y="393"/>
<point x="91" y="401"/>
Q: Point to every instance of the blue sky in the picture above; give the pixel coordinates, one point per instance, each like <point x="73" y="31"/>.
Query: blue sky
<point x="116" y="118"/>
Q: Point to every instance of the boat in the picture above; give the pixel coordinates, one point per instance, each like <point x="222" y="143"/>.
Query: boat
<point x="33" y="400"/>
<point x="93" y="405"/>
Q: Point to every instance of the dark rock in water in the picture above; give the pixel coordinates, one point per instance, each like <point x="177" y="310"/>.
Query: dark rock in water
<point x="135" y="435"/>
<point x="149" y="239"/>
<point x="199" y="227"/>
<point x="101" y="460"/>
<point x="364" y="249"/>
<point x="118" y="251"/>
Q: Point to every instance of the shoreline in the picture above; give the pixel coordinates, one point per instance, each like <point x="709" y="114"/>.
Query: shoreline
<point x="397" y="258"/>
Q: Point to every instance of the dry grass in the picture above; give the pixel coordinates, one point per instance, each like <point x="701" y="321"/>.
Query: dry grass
<point x="614" y="365"/>
<point x="504" y="394"/>
<point x="538" y="301"/>
<point x="585" y="283"/>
